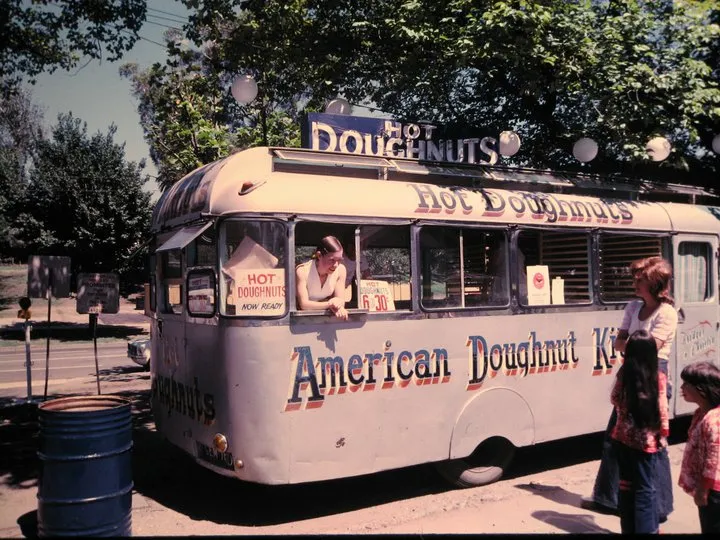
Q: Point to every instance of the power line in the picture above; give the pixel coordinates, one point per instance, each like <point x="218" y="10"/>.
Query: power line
<point x="145" y="39"/>
<point x="165" y="18"/>
<point x="167" y="13"/>
<point x="164" y="25"/>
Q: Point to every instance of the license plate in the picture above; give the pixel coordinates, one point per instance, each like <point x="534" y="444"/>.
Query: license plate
<point x="211" y="455"/>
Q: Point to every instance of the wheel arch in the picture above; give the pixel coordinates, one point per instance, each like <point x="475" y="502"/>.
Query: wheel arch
<point x="509" y="417"/>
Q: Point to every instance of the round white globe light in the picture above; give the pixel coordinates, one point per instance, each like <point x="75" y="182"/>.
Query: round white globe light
<point x="658" y="148"/>
<point x="585" y="149"/>
<point x="716" y="144"/>
<point x="244" y="89"/>
<point x="338" y="106"/>
<point x="509" y="143"/>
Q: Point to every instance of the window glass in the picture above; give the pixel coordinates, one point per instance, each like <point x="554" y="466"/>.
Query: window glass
<point x="617" y="251"/>
<point x="692" y="274"/>
<point x="384" y="268"/>
<point x="203" y="250"/>
<point x="553" y="267"/>
<point x="384" y="264"/>
<point x="153" y="293"/>
<point x="463" y="267"/>
<point x="201" y="293"/>
<point x="171" y="276"/>
<point x="253" y="262"/>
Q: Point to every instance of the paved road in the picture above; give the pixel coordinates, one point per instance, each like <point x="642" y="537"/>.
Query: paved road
<point x="66" y="362"/>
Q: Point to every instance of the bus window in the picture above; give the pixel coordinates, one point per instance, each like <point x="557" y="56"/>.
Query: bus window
<point x="463" y="267"/>
<point x="252" y="258"/>
<point x="384" y="283"/>
<point x="172" y="289"/>
<point x="561" y="258"/>
<point x="202" y="251"/>
<point x="617" y="251"/>
<point x="385" y="268"/>
<point x="201" y="292"/>
<point x="692" y="271"/>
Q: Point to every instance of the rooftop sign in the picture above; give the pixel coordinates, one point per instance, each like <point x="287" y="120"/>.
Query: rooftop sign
<point x="383" y="137"/>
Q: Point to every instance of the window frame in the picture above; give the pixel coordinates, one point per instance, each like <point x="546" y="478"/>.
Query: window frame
<point x="201" y="270"/>
<point x="458" y="226"/>
<point x="665" y="249"/>
<point x="588" y="232"/>
<point x="220" y="306"/>
<point x="708" y="274"/>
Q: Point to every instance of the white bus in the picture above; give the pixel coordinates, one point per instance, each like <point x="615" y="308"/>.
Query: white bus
<point x="484" y="321"/>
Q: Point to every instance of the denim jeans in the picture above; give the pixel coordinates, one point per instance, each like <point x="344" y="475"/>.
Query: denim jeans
<point x="710" y="514"/>
<point x="636" y="497"/>
<point x="605" y="490"/>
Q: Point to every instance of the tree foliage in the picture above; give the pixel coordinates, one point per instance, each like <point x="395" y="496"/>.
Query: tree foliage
<point x="85" y="201"/>
<point x="21" y="128"/>
<point x="45" y="35"/>
<point x="619" y="71"/>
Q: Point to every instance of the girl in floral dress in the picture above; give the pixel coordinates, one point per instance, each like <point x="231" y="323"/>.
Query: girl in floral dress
<point x="700" y="472"/>
<point x="640" y="431"/>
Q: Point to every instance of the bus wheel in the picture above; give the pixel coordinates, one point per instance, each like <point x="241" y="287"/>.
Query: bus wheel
<point x="484" y="466"/>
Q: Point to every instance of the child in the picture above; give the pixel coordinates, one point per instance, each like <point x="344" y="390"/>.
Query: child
<point x="640" y="431"/>
<point x="700" y="471"/>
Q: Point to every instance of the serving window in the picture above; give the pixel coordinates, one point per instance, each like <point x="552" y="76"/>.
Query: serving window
<point x="553" y="267"/>
<point x="463" y="267"/>
<point x="378" y="280"/>
<point x="617" y="252"/>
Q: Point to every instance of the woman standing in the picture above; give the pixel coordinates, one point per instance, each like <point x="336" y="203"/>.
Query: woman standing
<point x="655" y="313"/>
<point x="642" y="424"/>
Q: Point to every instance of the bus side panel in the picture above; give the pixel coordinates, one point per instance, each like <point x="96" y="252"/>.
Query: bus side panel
<point x="408" y="407"/>
<point x="189" y="394"/>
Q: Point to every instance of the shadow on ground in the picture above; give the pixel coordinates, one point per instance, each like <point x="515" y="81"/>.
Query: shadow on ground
<point x="167" y="475"/>
<point x="63" y="331"/>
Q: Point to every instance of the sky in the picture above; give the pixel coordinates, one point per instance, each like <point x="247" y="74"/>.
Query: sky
<point x="99" y="96"/>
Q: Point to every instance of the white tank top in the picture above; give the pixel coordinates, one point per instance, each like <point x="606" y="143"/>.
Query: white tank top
<point x="316" y="292"/>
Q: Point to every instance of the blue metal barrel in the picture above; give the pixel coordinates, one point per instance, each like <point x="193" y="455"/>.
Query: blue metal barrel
<point x="85" y="485"/>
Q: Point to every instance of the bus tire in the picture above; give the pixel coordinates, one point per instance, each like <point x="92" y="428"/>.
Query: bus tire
<point x="484" y="466"/>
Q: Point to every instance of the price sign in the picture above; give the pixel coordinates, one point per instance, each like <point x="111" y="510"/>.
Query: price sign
<point x="375" y="295"/>
<point x="98" y="293"/>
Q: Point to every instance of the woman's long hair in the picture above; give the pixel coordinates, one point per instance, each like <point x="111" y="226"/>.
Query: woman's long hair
<point x="639" y="378"/>
<point x="658" y="273"/>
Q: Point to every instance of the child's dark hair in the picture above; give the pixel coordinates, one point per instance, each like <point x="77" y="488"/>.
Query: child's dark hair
<point x="639" y="378"/>
<point x="705" y="377"/>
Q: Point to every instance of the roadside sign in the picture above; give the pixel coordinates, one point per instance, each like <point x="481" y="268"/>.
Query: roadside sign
<point x="48" y="272"/>
<point x="98" y="293"/>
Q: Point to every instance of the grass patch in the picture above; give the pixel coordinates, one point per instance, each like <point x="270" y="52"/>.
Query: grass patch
<point x="13" y="285"/>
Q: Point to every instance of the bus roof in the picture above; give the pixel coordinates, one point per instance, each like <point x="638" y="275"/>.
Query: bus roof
<point x="304" y="182"/>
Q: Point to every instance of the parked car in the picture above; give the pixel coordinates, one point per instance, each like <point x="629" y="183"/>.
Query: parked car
<point x="139" y="352"/>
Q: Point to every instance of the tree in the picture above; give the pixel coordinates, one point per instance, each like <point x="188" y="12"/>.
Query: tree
<point x="86" y="202"/>
<point x="620" y="71"/>
<point x="46" y="35"/>
<point x="20" y="130"/>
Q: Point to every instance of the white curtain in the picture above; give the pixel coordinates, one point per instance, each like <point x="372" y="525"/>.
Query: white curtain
<point x="691" y="274"/>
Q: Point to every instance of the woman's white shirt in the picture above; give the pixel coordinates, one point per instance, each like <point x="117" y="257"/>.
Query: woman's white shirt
<point x="317" y="292"/>
<point x="661" y="324"/>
